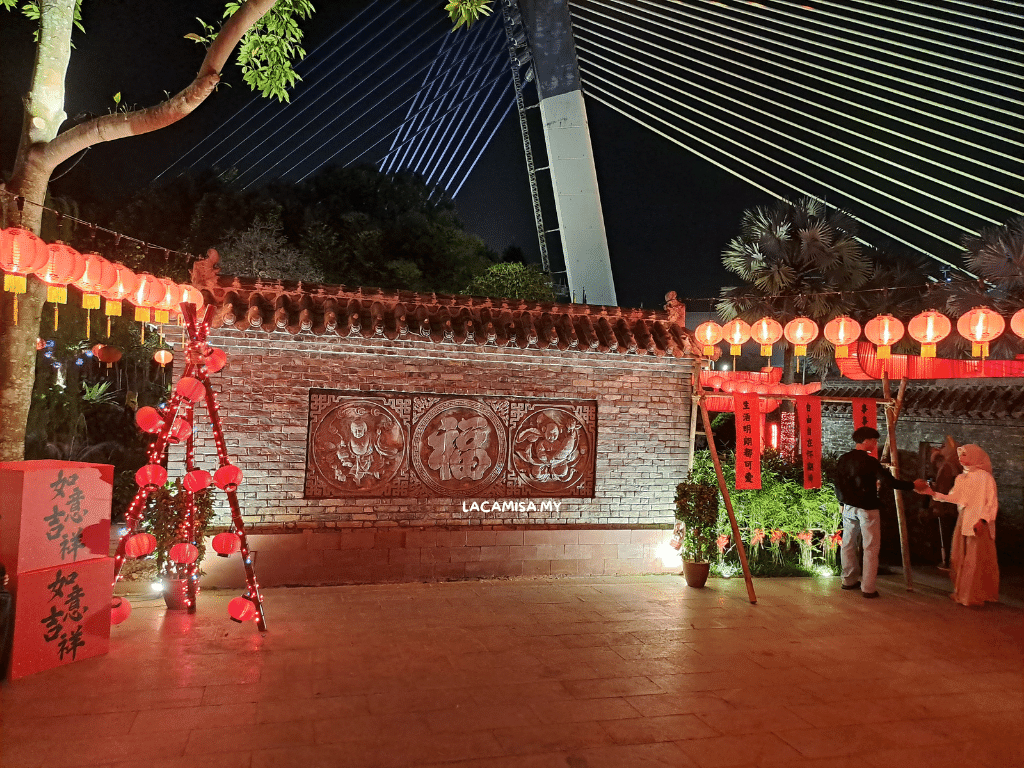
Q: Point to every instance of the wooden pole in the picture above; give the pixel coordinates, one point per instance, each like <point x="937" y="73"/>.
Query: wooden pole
<point x="891" y="414"/>
<point x="897" y="410"/>
<point x="728" y="502"/>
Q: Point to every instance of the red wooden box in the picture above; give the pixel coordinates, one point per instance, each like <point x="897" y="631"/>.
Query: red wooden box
<point x="62" y="615"/>
<point x="53" y="513"/>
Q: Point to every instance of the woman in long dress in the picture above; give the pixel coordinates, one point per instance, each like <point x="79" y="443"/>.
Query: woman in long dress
<point x="973" y="565"/>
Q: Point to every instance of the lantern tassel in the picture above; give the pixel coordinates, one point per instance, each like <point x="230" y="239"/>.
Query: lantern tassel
<point x="88" y="323"/>
<point x="56" y="316"/>
<point x="15" y="309"/>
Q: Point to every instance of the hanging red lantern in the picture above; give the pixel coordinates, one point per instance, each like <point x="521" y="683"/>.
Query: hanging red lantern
<point x="180" y="431"/>
<point x="169" y="302"/>
<point x="766" y="332"/>
<point x="140" y="545"/>
<point x="241" y="609"/>
<point x="737" y="333"/>
<point x="120" y="610"/>
<point x="841" y="332"/>
<point x="228" y="477"/>
<point x="183" y="554"/>
<point x="883" y="331"/>
<point x="801" y="331"/>
<point x="109" y="354"/>
<point x="124" y="285"/>
<point x="928" y="329"/>
<point x="197" y="480"/>
<point x="163" y="357"/>
<point x="21" y="254"/>
<point x="190" y="295"/>
<point x="226" y="544"/>
<point x="98" y="276"/>
<point x="708" y="335"/>
<point x="980" y="326"/>
<point x="149" y="419"/>
<point x="151" y="476"/>
<point x="191" y="389"/>
<point x="216" y="360"/>
<point x="149" y="290"/>
<point x="1017" y="323"/>
<point x="63" y="265"/>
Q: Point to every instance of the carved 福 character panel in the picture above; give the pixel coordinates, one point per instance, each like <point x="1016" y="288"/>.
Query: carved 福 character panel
<point x="410" y="445"/>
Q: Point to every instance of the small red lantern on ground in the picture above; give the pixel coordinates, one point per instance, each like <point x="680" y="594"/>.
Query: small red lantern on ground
<point x="980" y="326"/>
<point x="737" y="333"/>
<point x="151" y="476"/>
<point x="183" y="554"/>
<point x="197" y="480"/>
<point x="120" y="610"/>
<point x="149" y="419"/>
<point x="228" y="477"/>
<point x="928" y="329"/>
<point x="140" y="545"/>
<point x="241" y="609"/>
<point x="708" y="335"/>
<point x="226" y="544"/>
<point x="841" y="332"/>
<point x="191" y="389"/>
<point x="163" y="357"/>
<point x="801" y="331"/>
<point x="884" y="331"/>
<point x="180" y="431"/>
<point x="766" y="332"/>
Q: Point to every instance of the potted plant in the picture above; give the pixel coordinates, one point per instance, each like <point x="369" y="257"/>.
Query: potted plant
<point x="697" y="516"/>
<point x="166" y="519"/>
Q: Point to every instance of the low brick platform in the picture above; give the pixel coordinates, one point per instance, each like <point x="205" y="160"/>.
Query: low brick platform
<point x="378" y="555"/>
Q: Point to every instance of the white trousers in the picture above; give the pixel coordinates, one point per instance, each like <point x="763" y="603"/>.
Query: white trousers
<point x="860" y="525"/>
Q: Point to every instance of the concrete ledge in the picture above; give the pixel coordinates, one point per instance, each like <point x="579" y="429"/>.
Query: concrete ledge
<point x="386" y="555"/>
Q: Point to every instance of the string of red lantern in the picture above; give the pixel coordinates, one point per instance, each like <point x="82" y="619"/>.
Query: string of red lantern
<point x="979" y="326"/>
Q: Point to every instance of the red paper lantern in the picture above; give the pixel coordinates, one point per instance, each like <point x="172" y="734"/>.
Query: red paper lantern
<point x="226" y="544"/>
<point x="737" y="333"/>
<point x="163" y="357"/>
<point x="228" y="477"/>
<point x="120" y="610"/>
<point x="190" y="388"/>
<point x="841" y="332"/>
<point x="123" y="286"/>
<point x="716" y="382"/>
<point x="149" y="290"/>
<point x="21" y="254"/>
<point x="183" y="554"/>
<point x="180" y="431"/>
<point x="197" y="480"/>
<point x="149" y="419"/>
<point x="928" y="329"/>
<point x="980" y="326"/>
<point x="169" y="302"/>
<point x="708" y="334"/>
<point x="109" y="354"/>
<point x="800" y="332"/>
<point x="1017" y="323"/>
<point x="766" y="332"/>
<point x="140" y="545"/>
<point x="884" y="331"/>
<point x="216" y="360"/>
<point x="241" y="609"/>
<point x="98" y="276"/>
<point x="190" y="295"/>
<point x="151" y="476"/>
<point x="63" y="265"/>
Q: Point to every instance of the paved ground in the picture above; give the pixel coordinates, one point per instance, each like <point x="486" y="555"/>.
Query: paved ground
<point x="569" y="673"/>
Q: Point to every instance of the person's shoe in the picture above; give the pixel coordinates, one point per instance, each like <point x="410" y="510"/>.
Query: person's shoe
<point x="855" y="585"/>
<point x="870" y="595"/>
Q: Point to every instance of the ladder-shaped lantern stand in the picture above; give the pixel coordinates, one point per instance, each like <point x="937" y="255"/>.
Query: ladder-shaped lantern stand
<point x="194" y="385"/>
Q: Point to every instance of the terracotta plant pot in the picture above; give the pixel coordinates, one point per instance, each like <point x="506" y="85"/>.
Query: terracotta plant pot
<point x="176" y="594"/>
<point x="696" y="574"/>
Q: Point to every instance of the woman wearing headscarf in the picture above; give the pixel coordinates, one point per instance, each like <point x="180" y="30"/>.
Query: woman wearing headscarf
<point x="973" y="565"/>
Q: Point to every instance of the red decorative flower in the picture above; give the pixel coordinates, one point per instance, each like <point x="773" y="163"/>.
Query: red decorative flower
<point x="835" y="540"/>
<point x="777" y="536"/>
<point x="805" y="537"/>
<point x="757" y="538"/>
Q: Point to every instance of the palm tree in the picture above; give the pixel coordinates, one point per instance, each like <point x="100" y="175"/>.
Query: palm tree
<point x="796" y="259"/>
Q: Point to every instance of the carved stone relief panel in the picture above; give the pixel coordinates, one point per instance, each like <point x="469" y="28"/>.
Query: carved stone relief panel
<point x="393" y="445"/>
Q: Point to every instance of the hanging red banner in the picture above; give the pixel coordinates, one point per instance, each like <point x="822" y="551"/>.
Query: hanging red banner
<point x="865" y="414"/>
<point x="808" y="419"/>
<point x="748" y="440"/>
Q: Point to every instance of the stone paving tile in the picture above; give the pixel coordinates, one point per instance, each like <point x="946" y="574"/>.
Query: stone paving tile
<point x="537" y="673"/>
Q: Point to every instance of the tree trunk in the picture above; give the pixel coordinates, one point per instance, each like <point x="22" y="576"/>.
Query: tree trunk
<point x="41" y="150"/>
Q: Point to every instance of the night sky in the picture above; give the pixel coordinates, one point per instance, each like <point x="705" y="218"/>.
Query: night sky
<point x="668" y="214"/>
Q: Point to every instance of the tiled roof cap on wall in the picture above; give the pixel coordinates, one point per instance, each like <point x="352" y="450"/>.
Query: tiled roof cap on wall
<point x="295" y="307"/>
<point x="943" y="398"/>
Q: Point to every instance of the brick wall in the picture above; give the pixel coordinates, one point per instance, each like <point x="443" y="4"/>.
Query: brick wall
<point x="643" y="434"/>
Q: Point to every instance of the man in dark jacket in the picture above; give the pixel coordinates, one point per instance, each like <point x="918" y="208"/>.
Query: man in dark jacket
<point x="859" y="475"/>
